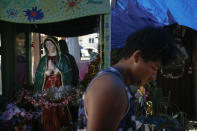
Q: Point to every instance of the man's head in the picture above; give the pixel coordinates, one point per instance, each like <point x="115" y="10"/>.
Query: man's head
<point x="147" y="50"/>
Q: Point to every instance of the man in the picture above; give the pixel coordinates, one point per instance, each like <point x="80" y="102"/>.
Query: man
<point x="108" y="103"/>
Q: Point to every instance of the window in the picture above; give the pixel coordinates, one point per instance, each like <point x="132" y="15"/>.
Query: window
<point x="92" y="40"/>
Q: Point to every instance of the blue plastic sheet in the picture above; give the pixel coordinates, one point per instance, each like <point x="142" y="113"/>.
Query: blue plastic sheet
<point x="129" y="16"/>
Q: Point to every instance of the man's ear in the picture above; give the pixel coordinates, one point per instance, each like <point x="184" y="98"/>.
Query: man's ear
<point x="137" y="56"/>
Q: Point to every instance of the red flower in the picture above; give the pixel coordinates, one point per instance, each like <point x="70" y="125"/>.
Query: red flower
<point x="33" y="13"/>
<point x="11" y="13"/>
<point x="72" y="4"/>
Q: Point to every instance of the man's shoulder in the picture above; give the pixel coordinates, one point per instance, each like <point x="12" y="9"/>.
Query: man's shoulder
<point x="107" y="83"/>
<point x="109" y="79"/>
<point x="108" y="91"/>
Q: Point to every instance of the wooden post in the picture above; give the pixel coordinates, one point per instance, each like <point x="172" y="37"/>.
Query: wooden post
<point x="8" y="31"/>
<point x="28" y="45"/>
<point x="36" y="51"/>
<point x="107" y="41"/>
<point x="101" y="42"/>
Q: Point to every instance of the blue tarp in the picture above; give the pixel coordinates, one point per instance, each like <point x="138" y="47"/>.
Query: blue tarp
<point x="131" y="15"/>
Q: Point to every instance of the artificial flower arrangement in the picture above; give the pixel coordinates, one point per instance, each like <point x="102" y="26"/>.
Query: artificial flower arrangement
<point x="57" y="96"/>
<point x="25" y="109"/>
<point x="149" y="109"/>
<point x="20" y="114"/>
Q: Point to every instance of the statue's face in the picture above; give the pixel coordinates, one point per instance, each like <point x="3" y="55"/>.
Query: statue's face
<point x="50" y="47"/>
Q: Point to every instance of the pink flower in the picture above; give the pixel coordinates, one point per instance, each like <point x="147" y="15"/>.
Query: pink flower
<point x="28" y="116"/>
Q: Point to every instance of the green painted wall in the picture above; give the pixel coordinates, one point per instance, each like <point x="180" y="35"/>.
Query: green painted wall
<point x="47" y="11"/>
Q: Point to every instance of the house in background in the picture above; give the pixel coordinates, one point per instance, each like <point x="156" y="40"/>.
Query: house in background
<point x="89" y="41"/>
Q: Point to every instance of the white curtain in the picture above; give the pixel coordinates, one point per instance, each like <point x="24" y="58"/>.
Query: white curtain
<point x="73" y="47"/>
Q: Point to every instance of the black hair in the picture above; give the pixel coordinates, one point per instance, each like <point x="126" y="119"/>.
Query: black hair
<point x="154" y="43"/>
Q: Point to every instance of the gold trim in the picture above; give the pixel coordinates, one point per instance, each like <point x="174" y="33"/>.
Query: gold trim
<point x="61" y="78"/>
<point x="45" y="74"/>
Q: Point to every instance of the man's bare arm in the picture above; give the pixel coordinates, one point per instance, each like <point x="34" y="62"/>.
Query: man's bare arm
<point x="106" y="102"/>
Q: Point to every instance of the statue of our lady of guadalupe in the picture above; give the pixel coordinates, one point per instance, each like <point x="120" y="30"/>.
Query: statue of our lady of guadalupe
<point x="53" y="71"/>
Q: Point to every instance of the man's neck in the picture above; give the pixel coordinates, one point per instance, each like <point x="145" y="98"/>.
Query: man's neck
<point x="126" y="73"/>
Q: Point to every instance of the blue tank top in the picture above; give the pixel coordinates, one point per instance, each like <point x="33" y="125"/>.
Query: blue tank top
<point x="128" y="122"/>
